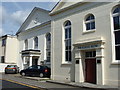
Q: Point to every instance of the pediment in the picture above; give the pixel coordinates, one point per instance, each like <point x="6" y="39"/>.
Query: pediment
<point x="35" y="18"/>
<point x="64" y="4"/>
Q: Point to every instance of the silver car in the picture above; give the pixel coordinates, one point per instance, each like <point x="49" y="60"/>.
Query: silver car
<point x="11" y="69"/>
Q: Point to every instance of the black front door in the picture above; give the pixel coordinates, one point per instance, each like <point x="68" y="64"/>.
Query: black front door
<point x="35" y="61"/>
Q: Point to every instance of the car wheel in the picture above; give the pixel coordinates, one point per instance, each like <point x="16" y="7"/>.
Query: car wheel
<point x="41" y="75"/>
<point x="5" y="72"/>
<point x="23" y="74"/>
<point x="15" y="72"/>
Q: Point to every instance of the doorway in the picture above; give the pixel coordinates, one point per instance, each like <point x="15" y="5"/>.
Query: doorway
<point x="90" y="67"/>
<point x="90" y="70"/>
<point x="35" y="61"/>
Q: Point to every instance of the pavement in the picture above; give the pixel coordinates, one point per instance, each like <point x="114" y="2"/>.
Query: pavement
<point x="74" y="84"/>
<point x="86" y="85"/>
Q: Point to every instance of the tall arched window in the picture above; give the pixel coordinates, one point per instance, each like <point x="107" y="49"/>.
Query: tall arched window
<point x="48" y="47"/>
<point x="67" y="28"/>
<point x="116" y="23"/>
<point x="36" y="43"/>
<point x="26" y="44"/>
<point x="90" y="22"/>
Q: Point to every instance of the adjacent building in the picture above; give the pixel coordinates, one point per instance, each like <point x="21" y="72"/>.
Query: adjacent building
<point x="34" y="37"/>
<point x="8" y="51"/>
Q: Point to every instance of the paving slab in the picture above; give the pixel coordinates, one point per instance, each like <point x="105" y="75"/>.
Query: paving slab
<point x="86" y="85"/>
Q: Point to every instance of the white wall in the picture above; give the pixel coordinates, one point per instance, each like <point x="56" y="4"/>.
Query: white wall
<point x="103" y="29"/>
<point x="29" y="35"/>
<point x="11" y="50"/>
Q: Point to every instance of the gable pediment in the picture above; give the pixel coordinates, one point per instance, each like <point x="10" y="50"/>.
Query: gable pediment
<point x="35" y="18"/>
<point x="64" y="4"/>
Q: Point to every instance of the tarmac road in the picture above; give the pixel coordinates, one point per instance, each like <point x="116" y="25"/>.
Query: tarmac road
<point x="12" y="85"/>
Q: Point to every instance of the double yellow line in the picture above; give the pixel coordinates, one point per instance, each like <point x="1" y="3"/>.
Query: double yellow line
<point x="23" y="84"/>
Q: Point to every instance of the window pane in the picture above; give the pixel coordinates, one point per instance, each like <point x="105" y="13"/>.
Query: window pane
<point x="92" y="25"/>
<point x="48" y="37"/>
<point x="48" y="47"/>
<point x="90" y="54"/>
<point x="87" y="54"/>
<point x="67" y="40"/>
<point x="66" y="45"/>
<point x="66" y="33"/>
<point x="26" y="44"/>
<point x="117" y="10"/>
<point x="90" y="17"/>
<point x="87" y="26"/>
<point x="68" y="23"/>
<point x="3" y="42"/>
<point x="69" y="44"/>
<point x="2" y="59"/>
<point x="69" y="33"/>
<point x="36" y="43"/>
<point x="69" y="56"/>
<point x="117" y="37"/>
<point x="117" y="52"/>
<point x="116" y="23"/>
<point x="48" y="59"/>
<point x="66" y="55"/>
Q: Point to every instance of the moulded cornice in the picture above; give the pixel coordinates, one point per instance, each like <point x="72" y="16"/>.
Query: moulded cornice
<point x="52" y="13"/>
<point x="36" y="27"/>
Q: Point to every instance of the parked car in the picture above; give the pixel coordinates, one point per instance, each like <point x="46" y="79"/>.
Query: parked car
<point x="11" y="69"/>
<point x="36" y="70"/>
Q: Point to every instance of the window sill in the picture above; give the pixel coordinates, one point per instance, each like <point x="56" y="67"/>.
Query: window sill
<point x="89" y="31"/>
<point x="66" y="63"/>
<point x="116" y="62"/>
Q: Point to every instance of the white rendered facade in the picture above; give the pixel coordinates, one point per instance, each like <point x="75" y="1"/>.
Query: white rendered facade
<point x="33" y="33"/>
<point x="8" y="51"/>
<point x="99" y="39"/>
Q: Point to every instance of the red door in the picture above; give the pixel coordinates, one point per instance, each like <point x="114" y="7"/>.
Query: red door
<point x="90" y="70"/>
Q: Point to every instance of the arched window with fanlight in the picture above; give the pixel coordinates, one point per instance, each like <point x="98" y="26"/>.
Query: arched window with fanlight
<point x="90" y="22"/>
<point x="48" y="47"/>
<point x="116" y="24"/>
<point x="26" y="44"/>
<point x="36" y="43"/>
<point x="67" y="40"/>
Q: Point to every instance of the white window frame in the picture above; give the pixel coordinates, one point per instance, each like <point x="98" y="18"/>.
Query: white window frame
<point x="48" y="49"/>
<point x="26" y="41"/>
<point x="64" y="40"/>
<point x="35" y="47"/>
<point x="114" y="61"/>
<point x="86" y="22"/>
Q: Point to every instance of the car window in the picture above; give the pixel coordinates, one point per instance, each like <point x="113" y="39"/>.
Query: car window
<point x="11" y="66"/>
<point x="30" y="67"/>
<point x="33" y="67"/>
<point x="39" y="67"/>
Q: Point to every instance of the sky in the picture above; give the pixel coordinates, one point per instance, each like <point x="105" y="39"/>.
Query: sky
<point x="13" y="14"/>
